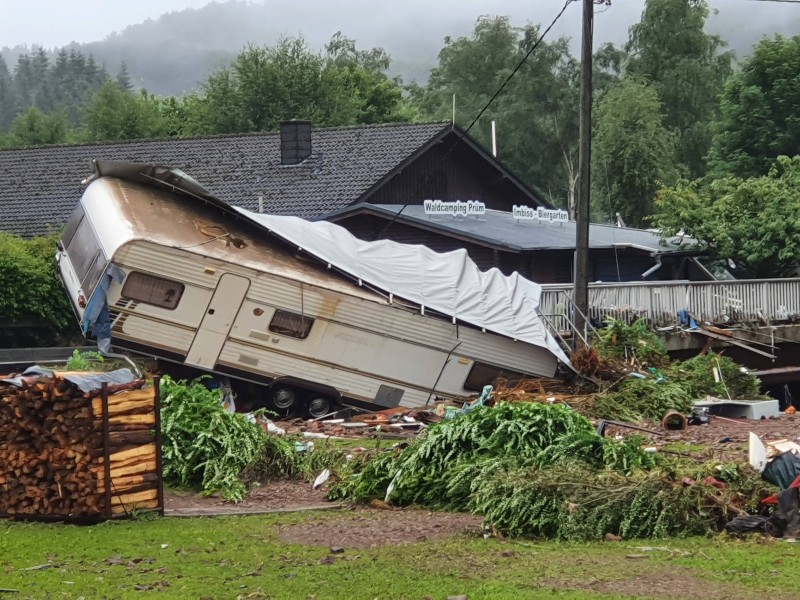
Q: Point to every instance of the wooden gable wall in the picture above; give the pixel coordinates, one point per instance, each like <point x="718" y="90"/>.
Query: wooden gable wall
<point x="446" y="173"/>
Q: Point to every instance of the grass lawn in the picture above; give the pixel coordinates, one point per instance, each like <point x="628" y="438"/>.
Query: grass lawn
<point x="245" y="557"/>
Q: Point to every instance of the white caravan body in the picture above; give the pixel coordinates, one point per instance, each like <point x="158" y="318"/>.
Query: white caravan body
<point x="188" y="279"/>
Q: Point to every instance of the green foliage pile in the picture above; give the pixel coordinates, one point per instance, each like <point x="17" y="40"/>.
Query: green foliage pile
<point x="441" y="469"/>
<point x="576" y="503"/>
<point x="642" y="400"/>
<point x="619" y="340"/>
<point x="662" y="385"/>
<point x="206" y="447"/>
<point x="696" y="375"/>
<point x="539" y="470"/>
<point x="281" y="460"/>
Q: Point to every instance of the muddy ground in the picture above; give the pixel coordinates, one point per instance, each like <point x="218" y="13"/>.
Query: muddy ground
<point x="352" y="527"/>
<point x="725" y="439"/>
<point x="363" y="527"/>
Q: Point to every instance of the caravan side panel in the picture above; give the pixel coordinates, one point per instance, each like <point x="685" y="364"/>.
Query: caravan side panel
<point x="360" y="346"/>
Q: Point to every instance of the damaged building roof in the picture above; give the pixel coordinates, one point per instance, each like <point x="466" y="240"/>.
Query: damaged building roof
<point x="40" y="186"/>
<point x="499" y="229"/>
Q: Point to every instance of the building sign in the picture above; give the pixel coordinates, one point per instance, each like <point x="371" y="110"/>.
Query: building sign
<point x="526" y="213"/>
<point x="459" y="208"/>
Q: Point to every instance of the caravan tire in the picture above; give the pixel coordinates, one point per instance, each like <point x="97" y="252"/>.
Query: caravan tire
<point x="319" y="406"/>
<point x="284" y="399"/>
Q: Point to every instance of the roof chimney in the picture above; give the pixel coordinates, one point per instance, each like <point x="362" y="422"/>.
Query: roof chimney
<point x="295" y="141"/>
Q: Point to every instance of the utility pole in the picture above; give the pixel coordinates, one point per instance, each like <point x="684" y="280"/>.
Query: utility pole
<point x="581" y="278"/>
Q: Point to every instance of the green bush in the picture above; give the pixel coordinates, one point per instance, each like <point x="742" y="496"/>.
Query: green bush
<point x="33" y="294"/>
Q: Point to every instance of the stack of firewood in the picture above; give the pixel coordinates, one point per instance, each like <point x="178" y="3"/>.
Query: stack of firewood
<point x="61" y="455"/>
<point x="133" y="467"/>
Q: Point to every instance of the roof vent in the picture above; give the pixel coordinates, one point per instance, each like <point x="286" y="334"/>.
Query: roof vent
<point x="295" y="141"/>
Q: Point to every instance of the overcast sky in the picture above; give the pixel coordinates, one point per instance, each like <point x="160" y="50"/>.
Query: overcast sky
<point x="55" y="23"/>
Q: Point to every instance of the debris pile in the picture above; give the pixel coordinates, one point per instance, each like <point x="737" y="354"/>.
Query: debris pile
<point x="627" y="376"/>
<point x="392" y="423"/>
<point x="533" y="464"/>
<point x="779" y="514"/>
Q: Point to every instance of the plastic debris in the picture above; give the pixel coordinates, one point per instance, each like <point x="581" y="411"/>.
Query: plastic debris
<point x="757" y="453"/>
<point x="390" y="488"/>
<point x="321" y="479"/>
<point x="272" y="428"/>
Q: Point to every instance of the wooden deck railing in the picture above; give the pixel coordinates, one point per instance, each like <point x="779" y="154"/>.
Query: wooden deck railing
<point x="742" y="301"/>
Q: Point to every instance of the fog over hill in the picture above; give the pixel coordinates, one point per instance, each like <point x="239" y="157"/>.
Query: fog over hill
<point x="172" y="53"/>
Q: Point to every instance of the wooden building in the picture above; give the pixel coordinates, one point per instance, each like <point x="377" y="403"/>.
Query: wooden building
<point x="372" y="180"/>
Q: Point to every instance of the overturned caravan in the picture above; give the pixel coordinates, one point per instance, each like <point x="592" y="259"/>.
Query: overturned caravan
<point x="297" y="313"/>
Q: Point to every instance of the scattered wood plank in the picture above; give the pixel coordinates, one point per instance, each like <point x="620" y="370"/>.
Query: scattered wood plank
<point x="731" y="340"/>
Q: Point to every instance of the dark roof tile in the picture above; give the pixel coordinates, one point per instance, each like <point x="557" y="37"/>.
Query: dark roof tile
<point x="40" y="186"/>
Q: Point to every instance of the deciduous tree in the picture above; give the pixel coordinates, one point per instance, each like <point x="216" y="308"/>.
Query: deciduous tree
<point x="35" y="128"/>
<point x="117" y="114"/>
<point x="362" y="92"/>
<point x="760" y="111"/>
<point x="633" y="153"/>
<point x="686" y="66"/>
<point x="267" y="85"/>
<point x="754" y="222"/>
<point x="536" y="115"/>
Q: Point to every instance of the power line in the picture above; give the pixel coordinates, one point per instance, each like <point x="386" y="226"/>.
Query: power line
<point x="433" y="169"/>
<point x="521" y="62"/>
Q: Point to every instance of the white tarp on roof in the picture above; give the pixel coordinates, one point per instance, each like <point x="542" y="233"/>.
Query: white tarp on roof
<point x="448" y="283"/>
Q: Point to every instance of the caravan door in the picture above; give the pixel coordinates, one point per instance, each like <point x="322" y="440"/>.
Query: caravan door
<point x="218" y="320"/>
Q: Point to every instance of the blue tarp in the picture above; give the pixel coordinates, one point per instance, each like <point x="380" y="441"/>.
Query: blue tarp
<point x="86" y="382"/>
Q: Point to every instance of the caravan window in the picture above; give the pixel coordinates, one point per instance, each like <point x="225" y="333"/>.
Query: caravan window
<point x="153" y="290"/>
<point x="291" y="324"/>
<point x="83" y="249"/>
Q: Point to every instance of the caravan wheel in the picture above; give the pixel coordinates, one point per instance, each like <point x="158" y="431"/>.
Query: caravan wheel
<point x="319" y="406"/>
<point x="284" y="398"/>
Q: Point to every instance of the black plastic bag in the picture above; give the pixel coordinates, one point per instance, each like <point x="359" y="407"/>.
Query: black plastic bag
<point x="749" y="524"/>
<point x="786" y="517"/>
<point x="782" y="470"/>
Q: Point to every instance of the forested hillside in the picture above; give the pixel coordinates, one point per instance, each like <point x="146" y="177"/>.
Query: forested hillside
<point x="677" y="121"/>
<point x="173" y="54"/>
